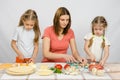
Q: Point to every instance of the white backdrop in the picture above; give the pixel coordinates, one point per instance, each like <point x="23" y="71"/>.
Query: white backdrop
<point x="82" y="13"/>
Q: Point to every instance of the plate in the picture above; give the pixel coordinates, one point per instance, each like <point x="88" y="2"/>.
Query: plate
<point x="20" y="70"/>
<point x="44" y="72"/>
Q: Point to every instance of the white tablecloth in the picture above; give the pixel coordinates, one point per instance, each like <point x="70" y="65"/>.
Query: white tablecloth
<point x="84" y="75"/>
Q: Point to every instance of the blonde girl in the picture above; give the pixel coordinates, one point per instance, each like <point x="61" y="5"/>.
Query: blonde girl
<point x="96" y="43"/>
<point x="26" y="37"/>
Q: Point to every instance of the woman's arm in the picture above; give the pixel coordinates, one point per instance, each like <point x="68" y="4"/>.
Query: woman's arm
<point x="89" y="53"/>
<point x="14" y="46"/>
<point x="50" y="55"/>
<point x="75" y="51"/>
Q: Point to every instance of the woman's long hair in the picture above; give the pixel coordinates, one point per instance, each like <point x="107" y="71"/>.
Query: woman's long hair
<point x="61" y="11"/>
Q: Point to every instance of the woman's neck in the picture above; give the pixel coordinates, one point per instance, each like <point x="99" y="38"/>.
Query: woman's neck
<point x="61" y="31"/>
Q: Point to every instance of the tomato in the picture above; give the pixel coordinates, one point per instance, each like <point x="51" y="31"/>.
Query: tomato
<point x="66" y="66"/>
<point x="99" y="67"/>
<point x="91" y="67"/>
<point x="58" y="66"/>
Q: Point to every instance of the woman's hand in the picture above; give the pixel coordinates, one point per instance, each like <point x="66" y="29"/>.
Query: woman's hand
<point x="69" y="58"/>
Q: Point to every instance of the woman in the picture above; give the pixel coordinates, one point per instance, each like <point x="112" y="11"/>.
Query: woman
<point x="58" y="37"/>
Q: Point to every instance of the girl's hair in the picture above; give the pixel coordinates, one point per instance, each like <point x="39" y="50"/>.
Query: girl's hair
<point x="31" y="15"/>
<point x="101" y="21"/>
<point x="61" y="11"/>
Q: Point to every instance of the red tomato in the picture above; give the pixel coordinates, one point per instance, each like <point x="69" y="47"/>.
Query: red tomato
<point x="58" y="66"/>
<point x="91" y="67"/>
<point x="99" y="67"/>
<point x="66" y="66"/>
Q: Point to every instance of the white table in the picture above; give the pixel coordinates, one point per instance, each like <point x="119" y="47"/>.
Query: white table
<point x="84" y="75"/>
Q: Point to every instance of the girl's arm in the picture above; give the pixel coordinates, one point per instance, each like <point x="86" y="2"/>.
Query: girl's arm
<point x="50" y="55"/>
<point x="106" y="54"/>
<point x="35" y="52"/>
<point x="89" y="53"/>
<point x="14" y="46"/>
<point x="75" y="51"/>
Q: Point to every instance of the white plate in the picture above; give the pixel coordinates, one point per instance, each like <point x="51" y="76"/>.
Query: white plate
<point x="44" y="72"/>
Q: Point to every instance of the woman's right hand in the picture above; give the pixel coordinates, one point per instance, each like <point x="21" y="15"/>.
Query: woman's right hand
<point x="69" y="58"/>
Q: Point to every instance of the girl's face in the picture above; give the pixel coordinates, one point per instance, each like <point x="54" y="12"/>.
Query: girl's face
<point x="64" y="20"/>
<point x="29" y="24"/>
<point x="98" y="30"/>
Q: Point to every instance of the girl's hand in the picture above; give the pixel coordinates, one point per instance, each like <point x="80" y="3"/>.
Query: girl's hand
<point x="21" y="56"/>
<point x="84" y="61"/>
<point x="69" y="58"/>
<point x="102" y="62"/>
<point x="92" y="57"/>
<point x="31" y="60"/>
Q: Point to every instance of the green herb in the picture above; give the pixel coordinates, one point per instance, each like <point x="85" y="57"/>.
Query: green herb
<point x="56" y="70"/>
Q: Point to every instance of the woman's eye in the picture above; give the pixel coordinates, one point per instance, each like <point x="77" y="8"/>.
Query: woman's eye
<point x="62" y="19"/>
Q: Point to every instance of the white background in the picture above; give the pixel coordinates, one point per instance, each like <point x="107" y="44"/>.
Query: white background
<point x="82" y="13"/>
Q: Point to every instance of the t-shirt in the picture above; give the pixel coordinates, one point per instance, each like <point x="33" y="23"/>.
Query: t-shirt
<point x="25" y="41"/>
<point x="96" y="48"/>
<point x="56" y="45"/>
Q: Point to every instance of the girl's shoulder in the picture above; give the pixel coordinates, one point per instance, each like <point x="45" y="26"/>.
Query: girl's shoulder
<point x="88" y="36"/>
<point x="107" y="41"/>
<point x="19" y="28"/>
<point x="105" y="38"/>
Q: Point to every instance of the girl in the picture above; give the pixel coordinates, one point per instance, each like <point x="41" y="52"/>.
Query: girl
<point x="96" y="42"/>
<point x="25" y="40"/>
<point x="58" y="37"/>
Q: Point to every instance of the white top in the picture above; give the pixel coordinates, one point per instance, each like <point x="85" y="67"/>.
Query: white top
<point x="25" y="41"/>
<point x="96" y="48"/>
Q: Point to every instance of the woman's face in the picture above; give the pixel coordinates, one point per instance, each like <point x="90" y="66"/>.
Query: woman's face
<point x="98" y="30"/>
<point x="64" y="20"/>
<point x="29" y="24"/>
